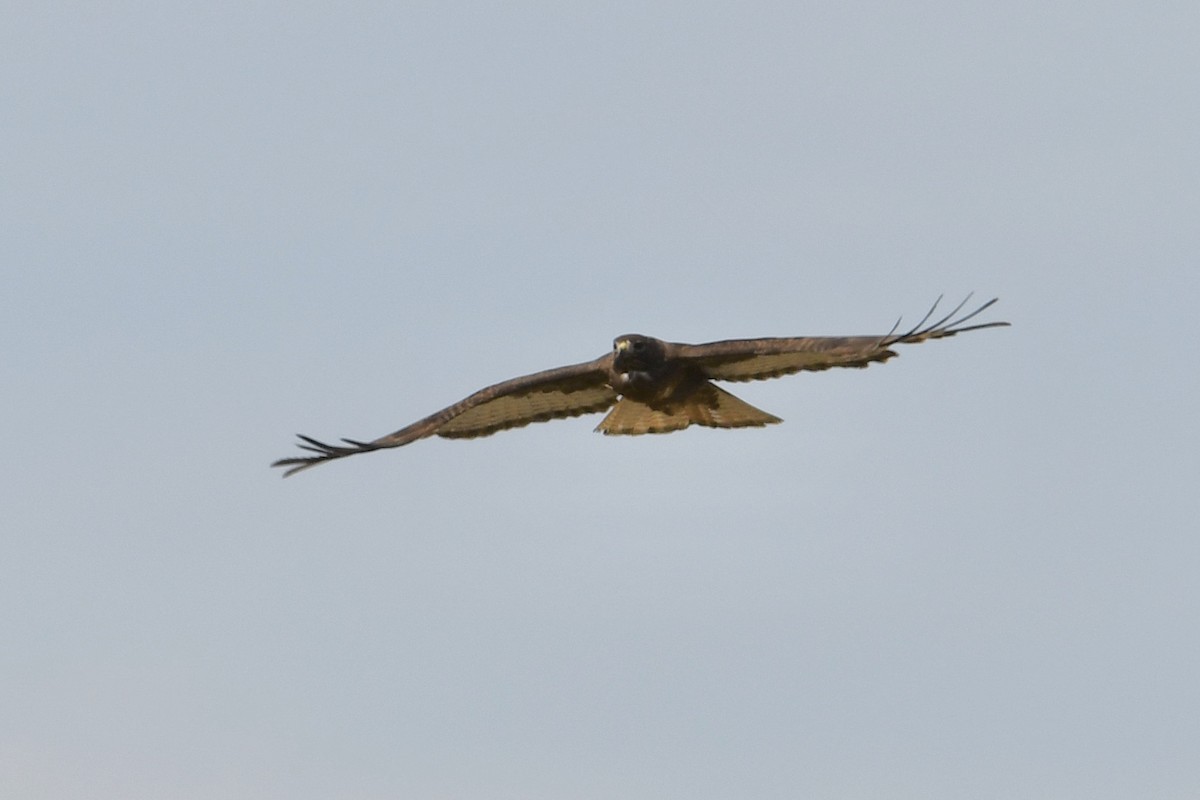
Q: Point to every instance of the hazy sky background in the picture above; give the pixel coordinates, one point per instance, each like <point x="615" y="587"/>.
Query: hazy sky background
<point x="968" y="573"/>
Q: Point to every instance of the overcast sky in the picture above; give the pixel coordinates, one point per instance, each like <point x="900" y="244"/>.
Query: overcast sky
<point x="968" y="573"/>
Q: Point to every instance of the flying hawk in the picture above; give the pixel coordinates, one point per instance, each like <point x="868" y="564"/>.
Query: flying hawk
<point x="651" y="386"/>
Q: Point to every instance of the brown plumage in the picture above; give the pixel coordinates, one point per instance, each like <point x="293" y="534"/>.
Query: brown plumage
<point x="651" y="386"/>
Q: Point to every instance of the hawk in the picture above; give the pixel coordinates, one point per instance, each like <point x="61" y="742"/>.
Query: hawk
<point x="651" y="386"/>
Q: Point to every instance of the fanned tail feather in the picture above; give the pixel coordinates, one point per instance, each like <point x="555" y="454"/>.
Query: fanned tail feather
<point x="708" y="405"/>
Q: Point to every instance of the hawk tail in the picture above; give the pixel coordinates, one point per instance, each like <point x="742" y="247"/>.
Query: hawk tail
<point x="707" y="405"/>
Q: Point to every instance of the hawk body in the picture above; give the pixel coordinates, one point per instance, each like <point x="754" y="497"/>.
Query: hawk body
<point x="661" y="392"/>
<point x="647" y="386"/>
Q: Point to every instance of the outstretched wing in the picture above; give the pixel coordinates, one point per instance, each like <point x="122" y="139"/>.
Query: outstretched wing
<point x="552" y="394"/>
<point x="756" y="359"/>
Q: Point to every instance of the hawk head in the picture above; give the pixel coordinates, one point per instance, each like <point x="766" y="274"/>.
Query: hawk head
<point x="634" y="352"/>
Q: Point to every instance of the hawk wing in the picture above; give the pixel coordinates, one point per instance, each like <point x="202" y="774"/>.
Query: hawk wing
<point x="757" y="359"/>
<point x="552" y="394"/>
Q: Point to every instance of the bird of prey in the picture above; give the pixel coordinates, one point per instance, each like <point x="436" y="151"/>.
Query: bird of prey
<point x="650" y="385"/>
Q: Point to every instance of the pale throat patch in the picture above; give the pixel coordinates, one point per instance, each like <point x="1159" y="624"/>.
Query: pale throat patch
<point x="635" y="376"/>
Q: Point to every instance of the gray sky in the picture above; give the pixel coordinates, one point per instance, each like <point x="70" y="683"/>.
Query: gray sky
<point x="970" y="572"/>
